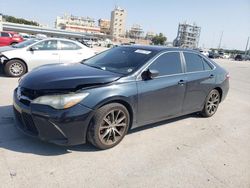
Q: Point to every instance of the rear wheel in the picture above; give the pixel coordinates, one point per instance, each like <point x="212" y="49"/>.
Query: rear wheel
<point x="13" y="43"/>
<point x="211" y="104"/>
<point x="15" y="68"/>
<point x="109" y="126"/>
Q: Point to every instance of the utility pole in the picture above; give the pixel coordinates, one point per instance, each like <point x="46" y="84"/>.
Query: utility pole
<point x="220" y="39"/>
<point x="246" y="46"/>
<point x="248" y="50"/>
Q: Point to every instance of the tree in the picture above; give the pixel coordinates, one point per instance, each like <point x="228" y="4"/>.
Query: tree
<point x="13" y="19"/>
<point x="159" y="39"/>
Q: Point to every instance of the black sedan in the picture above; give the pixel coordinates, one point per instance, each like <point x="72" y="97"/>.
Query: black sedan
<point x="100" y="99"/>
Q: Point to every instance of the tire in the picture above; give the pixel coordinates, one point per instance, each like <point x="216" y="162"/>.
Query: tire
<point x="15" y="68"/>
<point x="108" y="126"/>
<point x="211" y="103"/>
<point x="13" y="43"/>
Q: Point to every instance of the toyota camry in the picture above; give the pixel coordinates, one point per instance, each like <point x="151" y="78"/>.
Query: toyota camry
<point x="101" y="98"/>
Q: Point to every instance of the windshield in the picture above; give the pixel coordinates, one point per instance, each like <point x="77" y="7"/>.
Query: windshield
<point x="122" y="60"/>
<point x="26" y="43"/>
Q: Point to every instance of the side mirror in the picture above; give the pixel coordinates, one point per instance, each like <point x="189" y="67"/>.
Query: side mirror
<point x="149" y="74"/>
<point x="32" y="49"/>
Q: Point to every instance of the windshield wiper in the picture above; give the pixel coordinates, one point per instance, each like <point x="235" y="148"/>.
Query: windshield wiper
<point x="97" y="67"/>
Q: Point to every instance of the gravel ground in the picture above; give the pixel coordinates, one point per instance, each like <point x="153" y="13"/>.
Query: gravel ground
<point x="185" y="152"/>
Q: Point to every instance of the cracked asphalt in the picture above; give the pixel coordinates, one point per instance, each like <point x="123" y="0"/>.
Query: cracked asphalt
<point x="189" y="151"/>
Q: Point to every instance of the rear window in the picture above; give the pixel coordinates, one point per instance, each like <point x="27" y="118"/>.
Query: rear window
<point x="67" y="45"/>
<point x="206" y="64"/>
<point x="194" y="62"/>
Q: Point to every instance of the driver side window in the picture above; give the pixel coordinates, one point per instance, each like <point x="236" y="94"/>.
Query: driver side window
<point x="167" y="64"/>
<point x="46" y="45"/>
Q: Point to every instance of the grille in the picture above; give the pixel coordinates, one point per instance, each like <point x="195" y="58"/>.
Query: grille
<point x="18" y="116"/>
<point x="27" y="122"/>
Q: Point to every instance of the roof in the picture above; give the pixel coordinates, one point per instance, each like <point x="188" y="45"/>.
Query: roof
<point x="158" y="48"/>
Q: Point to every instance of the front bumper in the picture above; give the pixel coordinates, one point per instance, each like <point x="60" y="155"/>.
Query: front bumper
<point x="62" y="127"/>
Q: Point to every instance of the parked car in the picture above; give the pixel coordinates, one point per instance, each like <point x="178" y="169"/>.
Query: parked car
<point x="213" y="55"/>
<point x="9" y="38"/>
<point x="241" y="57"/>
<point x="204" y="52"/>
<point x="126" y="87"/>
<point x="25" y="36"/>
<point x="21" y="58"/>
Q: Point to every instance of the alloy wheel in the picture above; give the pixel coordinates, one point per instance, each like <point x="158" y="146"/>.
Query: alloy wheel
<point x="213" y="103"/>
<point x="113" y="127"/>
<point x="16" y="69"/>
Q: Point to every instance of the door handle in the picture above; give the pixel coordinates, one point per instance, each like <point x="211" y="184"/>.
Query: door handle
<point x="54" y="53"/>
<point x="211" y="76"/>
<point x="181" y="82"/>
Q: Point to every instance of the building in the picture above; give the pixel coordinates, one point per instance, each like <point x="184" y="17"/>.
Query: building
<point x="104" y="26"/>
<point x="118" y="22"/>
<point x="187" y="36"/>
<point x="136" y="32"/>
<point x="150" y="35"/>
<point x="77" y="24"/>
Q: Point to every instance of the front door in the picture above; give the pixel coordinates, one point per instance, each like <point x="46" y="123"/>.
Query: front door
<point x="162" y="96"/>
<point x="44" y="52"/>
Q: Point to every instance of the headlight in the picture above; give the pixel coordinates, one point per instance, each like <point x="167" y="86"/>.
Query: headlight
<point x="2" y="58"/>
<point x="61" y="101"/>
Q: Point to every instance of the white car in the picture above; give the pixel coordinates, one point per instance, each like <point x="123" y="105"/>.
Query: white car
<point x="23" y="57"/>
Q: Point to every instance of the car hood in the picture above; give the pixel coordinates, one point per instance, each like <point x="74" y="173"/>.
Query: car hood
<point x="6" y="48"/>
<point x="66" y="77"/>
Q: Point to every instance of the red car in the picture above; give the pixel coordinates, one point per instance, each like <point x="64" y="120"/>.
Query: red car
<point x="9" y="38"/>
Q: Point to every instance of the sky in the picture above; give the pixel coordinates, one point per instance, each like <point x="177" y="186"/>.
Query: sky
<point x="214" y="17"/>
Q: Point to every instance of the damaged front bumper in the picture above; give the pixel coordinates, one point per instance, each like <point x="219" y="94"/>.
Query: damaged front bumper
<point x="62" y="127"/>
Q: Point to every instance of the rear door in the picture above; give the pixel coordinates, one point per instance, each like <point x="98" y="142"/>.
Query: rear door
<point x="44" y="52"/>
<point x="200" y="80"/>
<point x="162" y="97"/>
<point x="5" y="39"/>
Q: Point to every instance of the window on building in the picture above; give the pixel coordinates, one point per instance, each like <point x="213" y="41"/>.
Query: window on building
<point x="167" y="64"/>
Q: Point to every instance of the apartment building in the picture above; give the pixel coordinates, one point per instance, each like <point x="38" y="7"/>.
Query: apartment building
<point x="77" y="24"/>
<point x="188" y="36"/>
<point x="104" y="25"/>
<point x="118" y="22"/>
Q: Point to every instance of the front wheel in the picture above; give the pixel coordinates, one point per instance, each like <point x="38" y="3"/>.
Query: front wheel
<point x="15" y="68"/>
<point x="211" y="104"/>
<point x="109" y="126"/>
